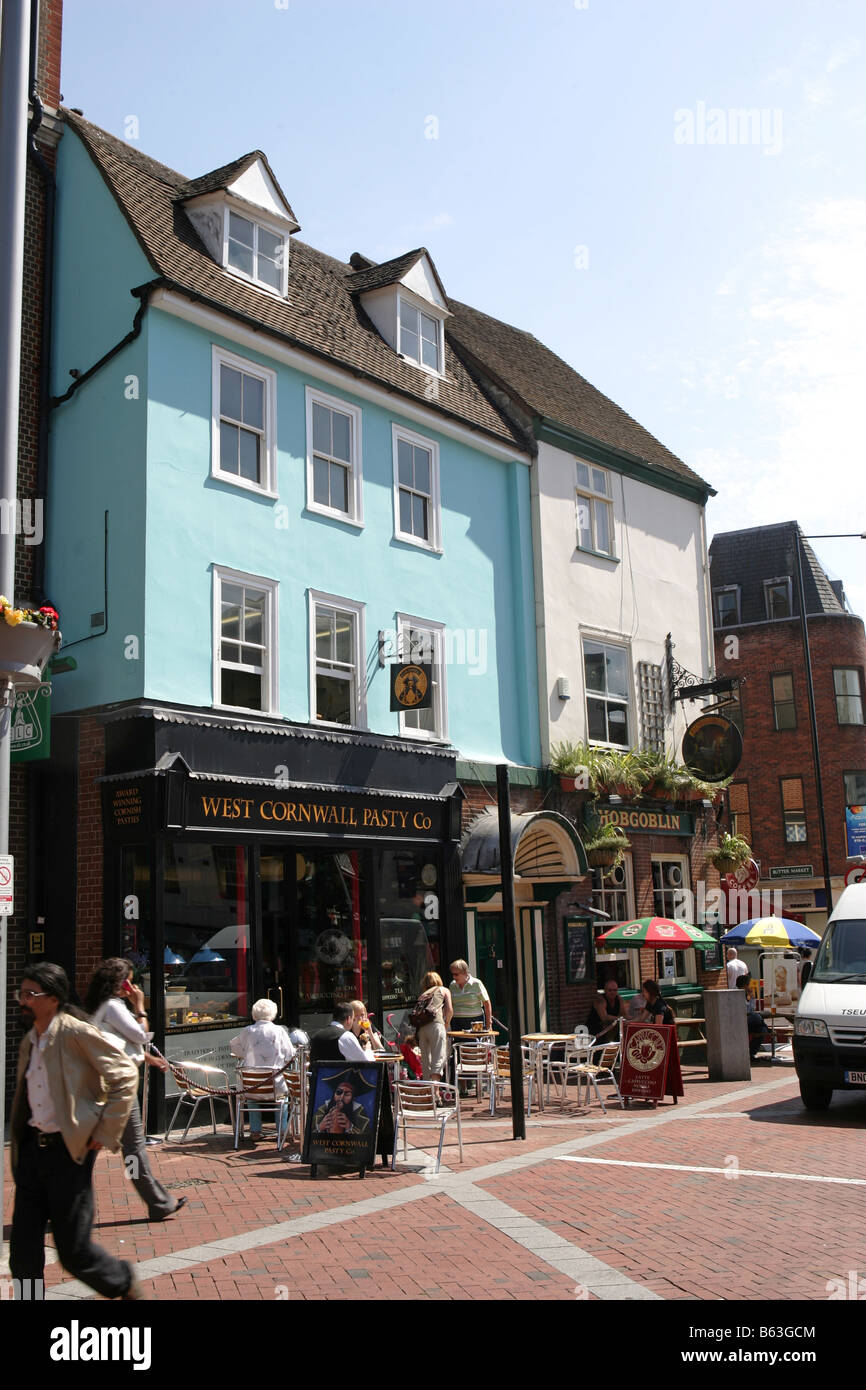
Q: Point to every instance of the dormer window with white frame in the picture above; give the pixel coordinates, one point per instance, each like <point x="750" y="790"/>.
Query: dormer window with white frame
<point x="406" y="301"/>
<point x="244" y="221"/>
<point x="255" y="252"/>
<point x="420" y="335"/>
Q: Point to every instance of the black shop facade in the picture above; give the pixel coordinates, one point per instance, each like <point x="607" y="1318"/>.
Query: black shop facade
<point x="334" y="878"/>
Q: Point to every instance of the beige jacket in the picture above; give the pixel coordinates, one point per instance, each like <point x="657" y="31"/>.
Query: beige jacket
<point x="92" y="1086"/>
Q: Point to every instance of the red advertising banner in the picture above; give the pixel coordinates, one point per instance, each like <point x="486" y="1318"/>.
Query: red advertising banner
<point x="650" y="1062"/>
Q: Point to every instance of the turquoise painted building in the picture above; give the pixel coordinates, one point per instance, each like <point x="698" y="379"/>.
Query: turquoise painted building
<point x="147" y="517"/>
<point x="289" y="536"/>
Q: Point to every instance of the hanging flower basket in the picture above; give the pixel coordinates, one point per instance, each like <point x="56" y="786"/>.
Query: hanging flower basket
<point x="27" y="639"/>
<point x="725" y="864"/>
<point x="603" y="858"/>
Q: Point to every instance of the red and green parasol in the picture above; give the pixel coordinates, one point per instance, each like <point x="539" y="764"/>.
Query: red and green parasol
<point x="660" y="932"/>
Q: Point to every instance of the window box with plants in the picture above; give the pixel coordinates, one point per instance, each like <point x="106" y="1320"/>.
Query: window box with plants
<point x="573" y="764"/>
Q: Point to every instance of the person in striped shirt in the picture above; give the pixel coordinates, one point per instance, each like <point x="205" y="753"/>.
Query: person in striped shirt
<point x="469" y="997"/>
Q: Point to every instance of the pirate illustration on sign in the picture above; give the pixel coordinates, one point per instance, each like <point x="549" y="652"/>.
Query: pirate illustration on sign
<point x="342" y="1114"/>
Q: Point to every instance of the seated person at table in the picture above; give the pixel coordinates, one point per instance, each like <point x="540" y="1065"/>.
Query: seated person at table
<point x="339" y="1039"/>
<point x="606" y="1012"/>
<point x="263" y="1044"/>
<point x="754" y="1019"/>
<point x="655" y="1009"/>
<point x="363" y="1029"/>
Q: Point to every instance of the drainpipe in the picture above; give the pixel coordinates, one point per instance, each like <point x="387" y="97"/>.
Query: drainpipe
<point x="14" y="52"/>
<point x="540" y="625"/>
<point x="50" y="193"/>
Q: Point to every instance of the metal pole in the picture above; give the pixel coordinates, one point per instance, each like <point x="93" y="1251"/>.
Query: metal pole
<point x="506" y="864"/>
<point x="14" y="61"/>
<point x="813" y="719"/>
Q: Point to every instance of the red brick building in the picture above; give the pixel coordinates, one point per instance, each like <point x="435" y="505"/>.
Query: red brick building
<point x="758" y="637"/>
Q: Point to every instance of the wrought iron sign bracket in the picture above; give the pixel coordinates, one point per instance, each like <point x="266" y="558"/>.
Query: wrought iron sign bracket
<point x="684" y="685"/>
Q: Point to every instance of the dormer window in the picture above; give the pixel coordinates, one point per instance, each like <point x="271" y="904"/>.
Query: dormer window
<point x="255" y="252"/>
<point x="405" y="300"/>
<point x="420" y="336"/>
<point x="244" y="221"/>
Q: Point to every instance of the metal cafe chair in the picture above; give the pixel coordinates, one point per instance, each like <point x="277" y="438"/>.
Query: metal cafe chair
<point x="473" y="1061"/>
<point x="425" y="1104"/>
<point x="576" y="1055"/>
<point x="197" y="1082"/>
<point x="502" y="1076"/>
<point x="600" y="1067"/>
<point x="296" y="1105"/>
<point x="259" y="1089"/>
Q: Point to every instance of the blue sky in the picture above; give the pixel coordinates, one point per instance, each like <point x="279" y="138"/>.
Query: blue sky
<point x="578" y="168"/>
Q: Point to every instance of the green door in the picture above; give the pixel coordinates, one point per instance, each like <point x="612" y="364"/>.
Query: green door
<point x="490" y="963"/>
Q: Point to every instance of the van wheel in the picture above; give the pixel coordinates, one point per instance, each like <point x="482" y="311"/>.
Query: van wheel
<point x="815" y="1097"/>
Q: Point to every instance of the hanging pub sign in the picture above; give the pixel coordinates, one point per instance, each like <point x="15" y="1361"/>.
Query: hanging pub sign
<point x="31" y="726"/>
<point x="712" y="748"/>
<point x="411" y="685"/>
<point x="650" y="1062"/>
<point x="343" y="1115"/>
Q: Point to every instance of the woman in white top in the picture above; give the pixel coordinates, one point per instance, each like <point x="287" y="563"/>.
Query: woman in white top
<point x="116" y="1007"/>
<point x="263" y="1044"/>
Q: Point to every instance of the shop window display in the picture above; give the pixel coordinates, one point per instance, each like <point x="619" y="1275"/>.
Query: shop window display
<point x="207" y="936"/>
<point x="409" y="927"/>
<point x="332" y="941"/>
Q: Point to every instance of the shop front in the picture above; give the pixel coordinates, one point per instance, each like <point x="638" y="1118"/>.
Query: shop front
<point x="655" y="878"/>
<point x="224" y="889"/>
<point x="549" y="861"/>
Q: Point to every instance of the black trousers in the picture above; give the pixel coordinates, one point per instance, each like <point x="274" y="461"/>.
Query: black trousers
<point x="50" y="1186"/>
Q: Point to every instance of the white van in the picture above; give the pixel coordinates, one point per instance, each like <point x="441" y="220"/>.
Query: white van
<point x="830" y="1025"/>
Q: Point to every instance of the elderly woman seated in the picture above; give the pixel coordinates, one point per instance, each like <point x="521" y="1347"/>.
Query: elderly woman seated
<point x="263" y="1044"/>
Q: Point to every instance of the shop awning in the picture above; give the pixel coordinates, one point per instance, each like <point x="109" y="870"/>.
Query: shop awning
<point x="546" y="848"/>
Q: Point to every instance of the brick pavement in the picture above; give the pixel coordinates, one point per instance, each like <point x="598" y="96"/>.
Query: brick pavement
<point x="515" y="1221"/>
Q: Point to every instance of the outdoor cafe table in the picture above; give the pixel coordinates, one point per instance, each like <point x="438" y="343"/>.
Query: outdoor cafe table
<point x="538" y="1044"/>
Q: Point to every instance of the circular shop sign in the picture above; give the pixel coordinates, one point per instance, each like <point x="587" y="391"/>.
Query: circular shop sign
<point x="646" y="1050"/>
<point x="410" y="685"/>
<point x="712" y="748"/>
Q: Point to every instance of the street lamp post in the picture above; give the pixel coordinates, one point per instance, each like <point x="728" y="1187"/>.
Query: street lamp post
<point x="810" y="691"/>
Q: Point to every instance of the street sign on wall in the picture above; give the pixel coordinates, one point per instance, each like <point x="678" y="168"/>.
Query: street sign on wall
<point x="7" y="885"/>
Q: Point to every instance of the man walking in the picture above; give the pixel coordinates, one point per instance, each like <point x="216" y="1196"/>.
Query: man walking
<point x="73" y="1097"/>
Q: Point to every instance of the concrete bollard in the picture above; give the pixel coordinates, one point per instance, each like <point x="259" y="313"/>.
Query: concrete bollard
<point x="727" y="1035"/>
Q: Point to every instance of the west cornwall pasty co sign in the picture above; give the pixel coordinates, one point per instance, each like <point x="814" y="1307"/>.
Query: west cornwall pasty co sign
<point x="248" y="809"/>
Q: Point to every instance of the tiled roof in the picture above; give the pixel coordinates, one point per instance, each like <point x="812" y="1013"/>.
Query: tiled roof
<point x="386" y="273"/>
<point x="221" y="178"/>
<point x="218" y="178"/>
<point x="747" y="558"/>
<point x="321" y="315"/>
<point x="547" y="386"/>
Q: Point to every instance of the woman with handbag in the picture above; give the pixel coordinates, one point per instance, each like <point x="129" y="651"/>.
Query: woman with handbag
<point x="430" y="1018"/>
<point x="116" y="1007"/>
